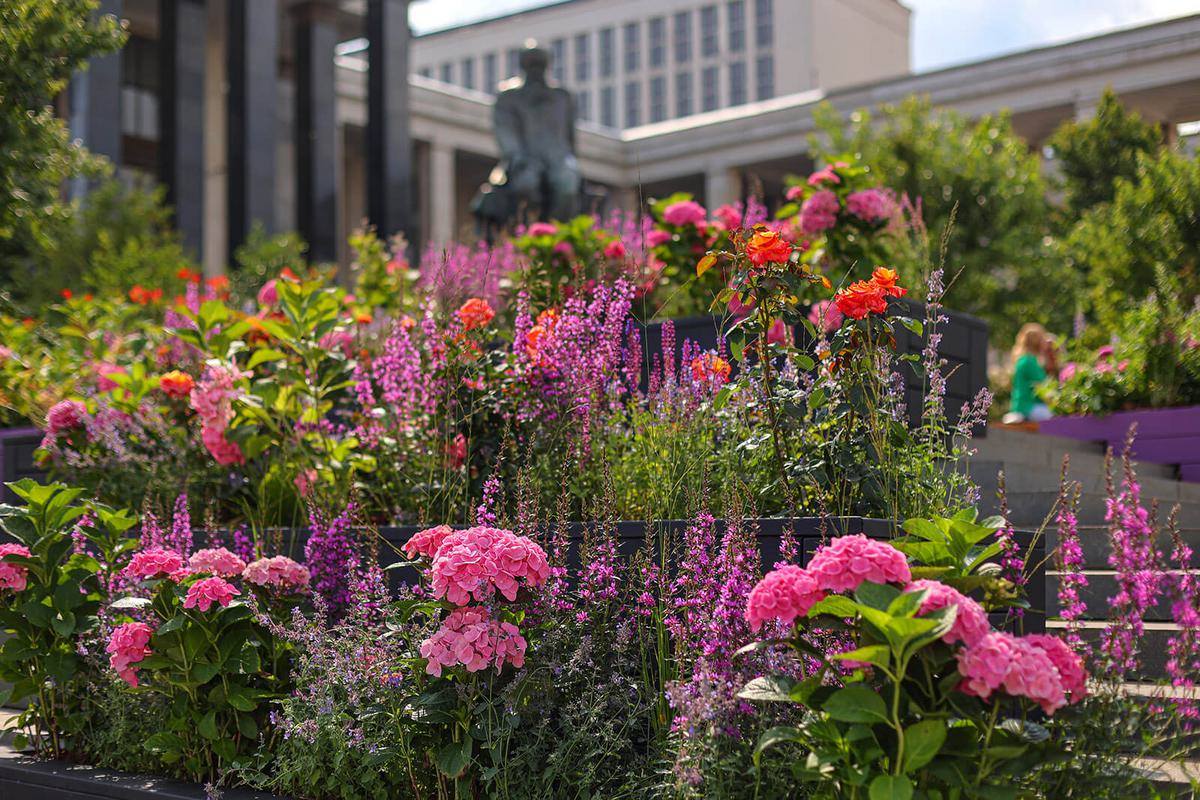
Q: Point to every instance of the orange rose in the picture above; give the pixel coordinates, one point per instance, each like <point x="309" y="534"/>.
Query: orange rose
<point x="768" y="247"/>
<point x="711" y="366"/>
<point x="885" y="279"/>
<point x="176" y="383"/>
<point x="475" y="313"/>
<point x="862" y="298"/>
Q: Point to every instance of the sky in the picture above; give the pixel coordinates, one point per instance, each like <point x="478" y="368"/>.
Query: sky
<point x="944" y="32"/>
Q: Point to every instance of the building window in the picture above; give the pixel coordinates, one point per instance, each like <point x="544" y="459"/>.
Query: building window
<point x="607" y="48"/>
<point x="425" y="72"/>
<point x="608" y="107"/>
<point x="468" y="73"/>
<point x="513" y="62"/>
<point x="558" y="60"/>
<point x="764" y="22"/>
<point x="583" y="105"/>
<point x="658" y="41"/>
<point x="737" y="25"/>
<point x="447" y="72"/>
<point x="490" y="78"/>
<point x="633" y="46"/>
<point x="764" y="78"/>
<point x="683" y="37"/>
<point x="658" y="98"/>
<point x="709" y="46"/>
<point x="139" y="89"/>
<point x="583" y="58"/>
<point x="710" y="80"/>
<point x="683" y="94"/>
<point x="633" y="104"/>
<point x="737" y="83"/>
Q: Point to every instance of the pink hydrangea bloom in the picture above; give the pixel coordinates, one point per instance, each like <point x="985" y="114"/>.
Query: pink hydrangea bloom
<point x="278" y="572"/>
<point x="970" y="622"/>
<point x="1020" y="667"/>
<point x="826" y="316"/>
<point x="685" y="212"/>
<point x="871" y="205"/>
<point x="13" y="576"/>
<point x="427" y="542"/>
<point x="783" y="594"/>
<point x="154" y="562"/>
<point x="779" y="333"/>
<point x="729" y="216"/>
<point x="795" y="193"/>
<point x="104" y="381"/>
<point x="819" y="212"/>
<point x="218" y="561"/>
<point x="541" y="229"/>
<point x="657" y="237"/>
<point x="847" y="561"/>
<point x="564" y="248"/>
<point x="476" y="641"/>
<point x="1068" y="371"/>
<point x="206" y="591"/>
<point x="479" y="561"/>
<point x="1033" y="676"/>
<point x="129" y="644"/>
<point x="1104" y="352"/>
<point x="1071" y="672"/>
<point x="64" y="416"/>
<point x="985" y="664"/>
<point x="826" y="174"/>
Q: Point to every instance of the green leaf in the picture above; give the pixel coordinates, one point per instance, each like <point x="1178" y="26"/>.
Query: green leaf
<point x="891" y="787"/>
<point x="769" y="689"/>
<point x="876" y="595"/>
<point x="878" y="654"/>
<point x="247" y="726"/>
<point x="171" y="625"/>
<point x="454" y="757"/>
<point x="855" y="703"/>
<point x="834" y="605"/>
<point x="203" y="672"/>
<point x="778" y="735"/>
<point x="163" y="743"/>
<point x="922" y="742"/>
<point x="264" y="355"/>
<point x="239" y="697"/>
<point x="207" y="726"/>
<point x="64" y="624"/>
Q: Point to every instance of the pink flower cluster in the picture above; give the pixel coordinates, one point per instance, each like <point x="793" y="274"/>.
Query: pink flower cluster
<point x="826" y="316"/>
<point x="217" y="561"/>
<point x="819" y="212"/>
<point x="871" y="205"/>
<point x="427" y="542"/>
<point x="212" y="398"/>
<point x="970" y="621"/>
<point x="154" y="562"/>
<point x="477" y="562"/>
<point x="65" y="416"/>
<point x="1040" y="668"/>
<point x="469" y="636"/>
<point x="13" y="576"/>
<point x="129" y="644"/>
<point x="205" y="592"/>
<point x="685" y="212"/>
<point x="278" y="572"/>
<point x="847" y="561"/>
<point x="783" y="594"/>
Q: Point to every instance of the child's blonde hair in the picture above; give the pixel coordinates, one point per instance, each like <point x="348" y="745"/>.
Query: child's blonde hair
<point x="1031" y="339"/>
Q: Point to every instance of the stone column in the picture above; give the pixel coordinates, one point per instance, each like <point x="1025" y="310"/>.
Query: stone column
<point x="389" y="146"/>
<point x="316" y="128"/>
<point x="95" y="103"/>
<point x="722" y="185"/>
<point x="181" y="110"/>
<point x="443" y="201"/>
<point x="252" y="53"/>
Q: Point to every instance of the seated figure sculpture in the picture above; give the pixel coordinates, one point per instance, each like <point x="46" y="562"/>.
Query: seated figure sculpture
<point x="535" y="129"/>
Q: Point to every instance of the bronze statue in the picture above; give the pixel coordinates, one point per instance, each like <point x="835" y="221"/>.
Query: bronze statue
<point x="535" y="128"/>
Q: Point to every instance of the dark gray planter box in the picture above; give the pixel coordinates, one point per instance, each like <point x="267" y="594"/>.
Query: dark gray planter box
<point x="23" y="777"/>
<point x="17" y="446"/>
<point x="963" y="346"/>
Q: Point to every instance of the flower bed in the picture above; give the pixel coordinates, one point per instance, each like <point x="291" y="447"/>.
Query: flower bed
<point x="1164" y="435"/>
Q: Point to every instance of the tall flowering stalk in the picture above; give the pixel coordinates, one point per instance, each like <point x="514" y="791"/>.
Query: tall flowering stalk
<point x="1138" y="568"/>
<point x="1069" y="561"/>
<point x="1012" y="564"/>
<point x="1183" y="648"/>
<point x="331" y="556"/>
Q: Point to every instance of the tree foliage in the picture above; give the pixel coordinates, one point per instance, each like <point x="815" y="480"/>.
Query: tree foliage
<point x="42" y="43"/>
<point x="1091" y="155"/>
<point x="981" y="173"/>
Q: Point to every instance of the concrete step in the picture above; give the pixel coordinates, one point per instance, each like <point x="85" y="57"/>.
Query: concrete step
<point x="1094" y="542"/>
<point x="1038" y="450"/>
<point x="1152" y="649"/>
<point x="1101" y="586"/>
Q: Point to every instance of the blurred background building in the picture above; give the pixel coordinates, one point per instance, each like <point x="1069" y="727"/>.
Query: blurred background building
<point x="317" y="114"/>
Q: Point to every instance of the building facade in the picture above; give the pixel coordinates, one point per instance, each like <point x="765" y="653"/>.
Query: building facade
<point x="632" y="62"/>
<point x="305" y="115"/>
